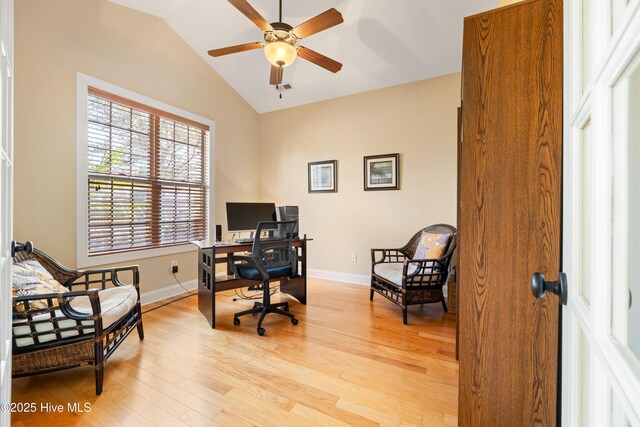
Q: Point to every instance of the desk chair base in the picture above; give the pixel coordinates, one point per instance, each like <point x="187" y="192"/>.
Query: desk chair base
<point x="264" y="310"/>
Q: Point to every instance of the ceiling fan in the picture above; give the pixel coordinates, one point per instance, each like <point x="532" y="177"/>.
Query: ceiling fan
<point x="280" y="40"/>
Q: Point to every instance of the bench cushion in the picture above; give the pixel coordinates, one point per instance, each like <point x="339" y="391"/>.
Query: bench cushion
<point x="114" y="303"/>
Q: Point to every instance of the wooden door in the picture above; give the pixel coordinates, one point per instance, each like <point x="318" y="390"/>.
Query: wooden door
<point x="6" y="186"/>
<point x="510" y="214"/>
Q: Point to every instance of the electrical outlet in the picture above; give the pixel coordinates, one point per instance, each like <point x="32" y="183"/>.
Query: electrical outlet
<point x="354" y="257"/>
<point x="174" y="266"/>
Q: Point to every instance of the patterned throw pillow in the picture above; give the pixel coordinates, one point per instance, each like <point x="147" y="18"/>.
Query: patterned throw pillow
<point x="31" y="278"/>
<point x="432" y="246"/>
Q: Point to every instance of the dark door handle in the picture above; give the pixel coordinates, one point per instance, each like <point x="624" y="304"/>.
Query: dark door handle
<point x="17" y="247"/>
<point x="539" y="286"/>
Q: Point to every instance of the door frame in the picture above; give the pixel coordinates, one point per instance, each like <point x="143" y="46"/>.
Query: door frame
<point x="610" y="368"/>
<point x="6" y="203"/>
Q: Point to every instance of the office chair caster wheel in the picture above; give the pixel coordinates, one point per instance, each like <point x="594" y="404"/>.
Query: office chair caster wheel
<point x="236" y="321"/>
<point x="261" y="331"/>
<point x="294" y="321"/>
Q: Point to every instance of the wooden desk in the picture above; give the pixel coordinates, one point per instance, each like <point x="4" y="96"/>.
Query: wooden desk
<point x="209" y="284"/>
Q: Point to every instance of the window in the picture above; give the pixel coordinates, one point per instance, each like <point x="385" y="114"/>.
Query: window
<point x="145" y="178"/>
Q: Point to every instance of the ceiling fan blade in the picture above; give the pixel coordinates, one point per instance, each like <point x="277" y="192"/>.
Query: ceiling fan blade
<point x="320" y="23"/>
<point x="319" y="59"/>
<point x="276" y="75"/>
<point x="234" y="49"/>
<point x="248" y="11"/>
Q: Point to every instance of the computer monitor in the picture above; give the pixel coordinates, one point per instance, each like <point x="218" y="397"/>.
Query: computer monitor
<point x="289" y="213"/>
<point x="246" y="216"/>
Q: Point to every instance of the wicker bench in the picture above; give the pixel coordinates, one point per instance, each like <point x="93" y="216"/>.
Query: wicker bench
<point x="80" y="327"/>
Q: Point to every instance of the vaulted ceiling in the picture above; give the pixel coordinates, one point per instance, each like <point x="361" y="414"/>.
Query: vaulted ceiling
<point x="381" y="43"/>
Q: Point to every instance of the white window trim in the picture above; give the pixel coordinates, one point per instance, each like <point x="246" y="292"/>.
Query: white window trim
<point x="83" y="82"/>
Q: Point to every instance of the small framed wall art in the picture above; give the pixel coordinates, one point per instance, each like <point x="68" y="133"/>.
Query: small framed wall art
<point x="381" y="172"/>
<point x="323" y="176"/>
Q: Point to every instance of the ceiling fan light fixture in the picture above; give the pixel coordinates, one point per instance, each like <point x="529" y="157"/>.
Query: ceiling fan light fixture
<point x="280" y="40"/>
<point x="280" y="54"/>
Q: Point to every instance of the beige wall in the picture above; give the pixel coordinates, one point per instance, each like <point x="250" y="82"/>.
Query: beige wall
<point x="141" y="53"/>
<point x="417" y="120"/>
<point x="507" y="2"/>
<point x="54" y="40"/>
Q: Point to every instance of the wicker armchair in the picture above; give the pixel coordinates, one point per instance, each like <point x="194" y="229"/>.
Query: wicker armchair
<point x="64" y="336"/>
<point x="405" y="281"/>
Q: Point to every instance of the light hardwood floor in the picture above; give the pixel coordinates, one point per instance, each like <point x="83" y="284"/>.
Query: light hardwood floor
<point x="348" y="362"/>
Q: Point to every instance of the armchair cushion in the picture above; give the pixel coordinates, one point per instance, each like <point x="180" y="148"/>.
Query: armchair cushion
<point x="432" y="245"/>
<point x="114" y="302"/>
<point x="31" y="278"/>
<point x="392" y="271"/>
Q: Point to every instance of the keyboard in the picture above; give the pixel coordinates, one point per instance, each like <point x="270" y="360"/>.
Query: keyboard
<point x="244" y="240"/>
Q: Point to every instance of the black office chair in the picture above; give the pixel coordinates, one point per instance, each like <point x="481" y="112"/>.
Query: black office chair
<point x="272" y="257"/>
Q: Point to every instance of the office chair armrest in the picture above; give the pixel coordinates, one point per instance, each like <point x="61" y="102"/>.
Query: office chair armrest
<point x="252" y="261"/>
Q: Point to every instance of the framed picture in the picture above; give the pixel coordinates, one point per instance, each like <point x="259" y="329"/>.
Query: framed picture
<point x="381" y="172"/>
<point x="323" y="177"/>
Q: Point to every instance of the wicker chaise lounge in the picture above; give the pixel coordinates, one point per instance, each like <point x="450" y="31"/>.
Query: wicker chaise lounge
<point x="83" y="326"/>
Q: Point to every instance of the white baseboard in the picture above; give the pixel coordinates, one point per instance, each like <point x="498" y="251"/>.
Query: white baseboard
<point x="337" y="276"/>
<point x="357" y="279"/>
<point x="191" y="285"/>
<point x="167" y="292"/>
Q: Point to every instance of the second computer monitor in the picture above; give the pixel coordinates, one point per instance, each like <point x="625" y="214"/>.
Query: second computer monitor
<point x="289" y="213"/>
<point x="246" y="216"/>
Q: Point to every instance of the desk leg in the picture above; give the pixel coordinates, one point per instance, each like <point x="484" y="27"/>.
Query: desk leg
<point x="207" y="284"/>
<point x="212" y="320"/>
<point x="229" y="272"/>
<point x="297" y="286"/>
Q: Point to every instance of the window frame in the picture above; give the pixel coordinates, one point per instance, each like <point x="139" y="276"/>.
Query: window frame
<point x="83" y="82"/>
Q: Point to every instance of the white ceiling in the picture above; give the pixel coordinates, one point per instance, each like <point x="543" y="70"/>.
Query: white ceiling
<point x="381" y="43"/>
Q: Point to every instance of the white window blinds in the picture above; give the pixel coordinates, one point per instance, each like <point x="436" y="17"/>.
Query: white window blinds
<point x="147" y="176"/>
